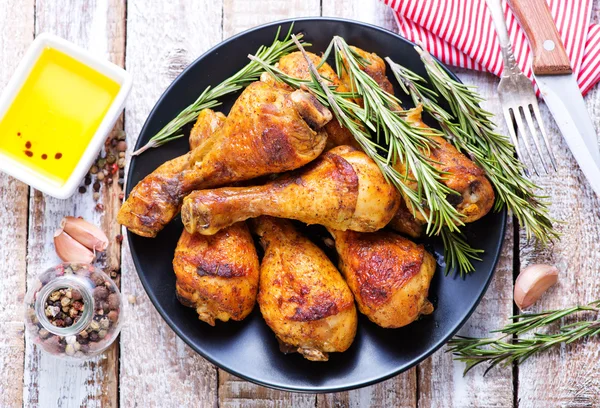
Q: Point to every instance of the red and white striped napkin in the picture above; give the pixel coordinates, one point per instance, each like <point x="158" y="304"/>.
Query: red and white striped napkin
<point x="461" y="33"/>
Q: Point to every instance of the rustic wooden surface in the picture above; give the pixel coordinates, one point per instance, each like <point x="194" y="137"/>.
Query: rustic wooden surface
<point x="150" y="366"/>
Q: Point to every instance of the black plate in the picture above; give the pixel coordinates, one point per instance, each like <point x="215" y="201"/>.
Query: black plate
<point x="248" y="349"/>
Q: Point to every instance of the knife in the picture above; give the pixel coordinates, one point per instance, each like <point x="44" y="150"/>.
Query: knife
<point x="558" y="85"/>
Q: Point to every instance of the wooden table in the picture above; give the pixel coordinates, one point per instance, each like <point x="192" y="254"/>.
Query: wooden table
<point x="150" y="366"/>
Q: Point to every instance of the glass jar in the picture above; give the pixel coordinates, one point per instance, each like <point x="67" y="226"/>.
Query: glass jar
<point x="73" y="310"/>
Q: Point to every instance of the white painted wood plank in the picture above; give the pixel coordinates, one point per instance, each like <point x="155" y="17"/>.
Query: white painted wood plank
<point x="157" y="368"/>
<point x="240" y="15"/>
<point x="400" y="391"/>
<point x="16" y="33"/>
<point x="568" y="376"/>
<point x="441" y="382"/>
<point x="98" y="26"/>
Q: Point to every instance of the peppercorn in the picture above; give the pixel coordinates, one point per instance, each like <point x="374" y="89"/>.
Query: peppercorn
<point x="113" y="315"/>
<point x="113" y="301"/>
<point x="97" y="185"/>
<point x="100" y="293"/>
<point x="110" y="159"/>
<point x="94" y="169"/>
<point x="122" y="146"/>
<point x="100" y="176"/>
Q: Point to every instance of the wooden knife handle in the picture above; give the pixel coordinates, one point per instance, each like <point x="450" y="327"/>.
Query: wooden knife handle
<point x="549" y="56"/>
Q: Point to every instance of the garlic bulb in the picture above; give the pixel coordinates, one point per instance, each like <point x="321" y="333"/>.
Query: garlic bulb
<point x="532" y="282"/>
<point x="70" y="250"/>
<point x="85" y="233"/>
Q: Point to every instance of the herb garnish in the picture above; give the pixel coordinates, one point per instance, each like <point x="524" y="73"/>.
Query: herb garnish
<point x="471" y="130"/>
<point x="209" y="98"/>
<point x="506" y="350"/>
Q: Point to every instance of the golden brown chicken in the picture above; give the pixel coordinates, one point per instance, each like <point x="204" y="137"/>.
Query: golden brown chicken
<point x="206" y="125"/>
<point x="266" y="132"/>
<point x="302" y="296"/>
<point x="218" y="274"/>
<point x="388" y="275"/>
<point x="375" y="68"/>
<point x="476" y="195"/>
<point x="342" y="189"/>
<point x="405" y="222"/>
<point x="295" y="65"/>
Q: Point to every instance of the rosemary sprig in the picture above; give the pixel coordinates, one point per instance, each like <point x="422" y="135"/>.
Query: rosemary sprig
<point x="362" y="124"/>
<point x="407" y="144"/>
<point x="209" y="98"/>
<point x="458" y="254"/>
<point x="471" y="130"/>
<point x="505" y="350"/>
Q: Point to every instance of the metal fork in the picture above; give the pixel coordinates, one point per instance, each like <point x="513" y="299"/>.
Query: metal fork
<point x="517" y="97"/>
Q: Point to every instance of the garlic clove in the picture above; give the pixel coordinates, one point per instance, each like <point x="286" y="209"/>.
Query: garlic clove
<point x="69" y="250"/>
<point x="532" y="282"/>
<point x="85" y="233"/>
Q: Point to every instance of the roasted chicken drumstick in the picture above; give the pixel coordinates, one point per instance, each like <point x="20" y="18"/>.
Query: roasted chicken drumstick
<point x="388" y="274"/>
<point x="476" y="194"/>
<point x="302" y="296"/>
<point x="342" y="189"/>
<point x="267" y="131"/>
<point x="218" y="274"/>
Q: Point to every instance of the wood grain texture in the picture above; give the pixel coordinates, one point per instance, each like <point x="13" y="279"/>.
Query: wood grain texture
<point x="441" y="381"/>
<point x="535" y="18"/>
<point x="239" y="15"/>
<point x="16" y="33"/>
<point x="157" y="368"/>
<point x="98" y="26"/>
<point x="568" y="376"/>
<point x="400" y="391"/>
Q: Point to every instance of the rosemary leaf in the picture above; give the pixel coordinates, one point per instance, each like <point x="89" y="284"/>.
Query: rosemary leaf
<point x="458" y="254"/>
<point x="471" y="130"/>
<point x="505" y="350"/>
<point x="209" y="98"/>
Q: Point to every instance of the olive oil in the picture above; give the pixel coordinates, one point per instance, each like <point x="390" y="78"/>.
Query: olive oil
<point x="55" y="115"/>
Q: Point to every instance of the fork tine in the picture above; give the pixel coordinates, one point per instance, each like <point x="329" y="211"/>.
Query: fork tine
<point x="523" y="133"/>
<point x="534" y="135"/>
<point x="513" y="135"/>
<point x="538" y="117"/>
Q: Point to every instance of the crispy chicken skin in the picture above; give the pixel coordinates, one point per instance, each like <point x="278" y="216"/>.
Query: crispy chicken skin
<point x="375" y="69"/>
<point x="342" y="189"/>
<point x="218" y="274"/>
<point x="388" y="275"/>
<point x="264" y="133"/>
<point x="405" y="222"/>
<point x="476" y="193"/>
<point x="208" y="122"/>
<point x="295" y="65"/>
<point x="302" y="296"/>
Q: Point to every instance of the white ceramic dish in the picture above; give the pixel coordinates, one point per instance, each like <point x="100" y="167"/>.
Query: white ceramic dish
<point x="112" y="71"/>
